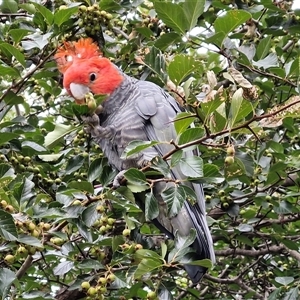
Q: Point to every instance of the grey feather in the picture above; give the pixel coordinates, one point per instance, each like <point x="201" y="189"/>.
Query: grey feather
<point x="140" y="110"/>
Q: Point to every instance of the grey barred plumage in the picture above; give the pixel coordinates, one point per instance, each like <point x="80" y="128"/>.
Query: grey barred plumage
<point x="141" y="110"/>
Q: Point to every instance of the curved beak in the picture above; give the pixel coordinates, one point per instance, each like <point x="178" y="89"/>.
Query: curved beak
<point x="79" y="91"/>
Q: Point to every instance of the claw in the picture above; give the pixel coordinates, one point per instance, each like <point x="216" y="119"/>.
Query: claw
<point x="118" y="179"/>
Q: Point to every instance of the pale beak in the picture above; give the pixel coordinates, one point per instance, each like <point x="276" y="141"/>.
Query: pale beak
<point x="79" y="91"/>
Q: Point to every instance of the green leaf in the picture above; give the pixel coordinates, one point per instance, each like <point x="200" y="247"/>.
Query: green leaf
<point x="263" y="48"/>
<point x="225" y="24"/>
<point x="135" y="176"/>
<point x="155" y="61"/>
<point x="135" y="147"/>
<point x="166" y="40"/>
<point x="64" y="15"/>
<point x="172" y="15"/>
<point x="147" y="265"/>
<point x="90" y="215"/>
<point x="8" y="229"/>
<point x="18" y="34"/>
<point x="192" y="166"/>
<point x="9" y="71"/>
<point x="203" y="263"/>
<point x="182" y="66"/>
<point x="157" y="163"/>
<point x="24" y="192"/>
<point x="285" y="208"/>
<point x="284" y="280"/>
<point x="193" y="9"/>
<point x="9" y="50"/>
<point x="9" y="6"/>
<point x="151" y="207"/>
<point x="82" y="186"/>
<point x="146" y="253"/>
<point x="12" y="99"/>
<point x="174" y="197"/>
<point x="57" y="135"/>
<point x="176" y="157"/>
<point x="239" y="108"/>
<point x="33" y="145"/>
<point x="183" y="121"/>
<point x="7" y="136"/>
<point x="46" y="13"/>
<point x="269" y="61"/>
<point x="7" y="277"/>
<point x="30" y="240"/>
<point x="95" y="169"/>
<point x="74" y="164"/>
<point x="63" y="268"/>
<point x="189" y="135"/>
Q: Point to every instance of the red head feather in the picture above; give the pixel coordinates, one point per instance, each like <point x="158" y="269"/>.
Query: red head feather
<point x="85" y="48"/>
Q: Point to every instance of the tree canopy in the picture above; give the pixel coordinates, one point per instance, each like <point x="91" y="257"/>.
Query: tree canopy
<point x="66" y="234"/>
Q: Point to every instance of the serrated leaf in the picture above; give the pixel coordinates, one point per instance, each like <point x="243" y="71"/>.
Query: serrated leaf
<point x="8" y="229"/>
<point x="95" y="169"/>
<point x="176" y="157"/>
<point x="292" y="294"/>
<point x="90" y="215"/>
<point x="285" y="208"/>
<point x="155" y="61"/>
<point x="193" y="9"/>
<point x="29" y="240"/>
<point x="7" y="277"/>
<point x="226" y="23"/>
<point x="63" y="268"/>
<point x="135" y="147"/>
<point x="192" y="166"/>
<point x="90" y="264"/>
<point x="174" y="197"/>
<point x="263" y="47"/>
<point x="182" y="121"/>
<point x="189" y="135"/>
<point x="151" y="207"/>
<point x="74" y="164"/>
<point x="166" y="40"/>
<point x="82" y="186"/>
<point x="9" y="71"/>
<point x="157" y="163"/>
<point x="33" y="145"/>
<point x="182" y="66"/>
<point x="57" y="135"/>
<point x="7" y="136"/>
<point x="24" y="192"/>
<point x="172" y="15"/>
<point x="46" y="13"/>
<point x="135" y="176"/>
<point x="147" y="265"/>
<point x="146" y="253"/>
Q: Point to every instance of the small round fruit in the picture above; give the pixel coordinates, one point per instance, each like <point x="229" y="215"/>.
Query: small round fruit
<point x="111" y="277"/>
<point x="229" y="160"/>
<point x="9" y="259"/>
<point x="92" y="291"/>
<point x="126" y="232"/>
<point x="85" y="285"/>
<point x="76" y="202"/>
<point x="102" y="281"/>
<point x="151" y="296"/>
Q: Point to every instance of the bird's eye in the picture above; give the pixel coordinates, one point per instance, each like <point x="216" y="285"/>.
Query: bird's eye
<point x="93" y="77"/>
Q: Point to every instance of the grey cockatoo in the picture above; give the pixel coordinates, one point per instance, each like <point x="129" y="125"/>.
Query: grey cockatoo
<point x="135" y="110"/>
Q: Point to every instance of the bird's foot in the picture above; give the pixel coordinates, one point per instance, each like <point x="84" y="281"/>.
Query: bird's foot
<point x="118" y="179"/>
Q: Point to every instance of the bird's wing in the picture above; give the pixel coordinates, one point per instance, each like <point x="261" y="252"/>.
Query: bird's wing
<point x="159" y="110"/>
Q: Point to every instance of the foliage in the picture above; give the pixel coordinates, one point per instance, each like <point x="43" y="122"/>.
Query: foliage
<point x="65" y="234"/>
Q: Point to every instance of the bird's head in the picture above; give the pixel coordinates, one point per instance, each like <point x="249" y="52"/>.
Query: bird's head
<point x="85" y="70"/>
